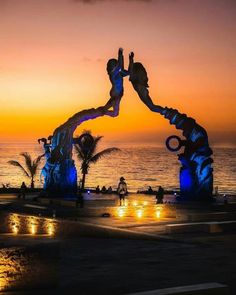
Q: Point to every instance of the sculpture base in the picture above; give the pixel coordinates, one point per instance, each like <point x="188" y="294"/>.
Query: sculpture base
<point x="189" y="197"/>
<point x="195" y="186"/>
<point x="61" y="179"/>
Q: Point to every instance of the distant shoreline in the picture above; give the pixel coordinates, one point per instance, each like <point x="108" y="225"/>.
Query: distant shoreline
<point x="38" y="190"/>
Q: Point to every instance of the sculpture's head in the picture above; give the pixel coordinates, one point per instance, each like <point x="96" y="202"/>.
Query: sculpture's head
<point x="139" y="74"/>
<point x="111" y="64"/>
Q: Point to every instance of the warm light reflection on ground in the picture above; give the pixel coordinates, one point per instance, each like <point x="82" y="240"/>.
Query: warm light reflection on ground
<point x="139" y="213"/>
<point x="14" y="223"/>
<point x="32" y="223"/>
<point x="12" y="267"/>
<point x="140" y="209"/>
<point x="121" y="212"/>
<point x="49" y="227"/>
<point x="20" y="224"/>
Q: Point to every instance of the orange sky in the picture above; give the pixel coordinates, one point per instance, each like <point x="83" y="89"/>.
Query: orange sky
<point x="53" y="56"/>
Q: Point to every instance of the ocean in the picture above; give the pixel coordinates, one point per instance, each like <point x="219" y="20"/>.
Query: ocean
<point x="141" y="165"/>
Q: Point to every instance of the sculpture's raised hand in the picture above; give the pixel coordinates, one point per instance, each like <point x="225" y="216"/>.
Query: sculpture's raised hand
<point x="131" y="56"/>
<point x="121" y="58"/>
<point x="131" y="62"/>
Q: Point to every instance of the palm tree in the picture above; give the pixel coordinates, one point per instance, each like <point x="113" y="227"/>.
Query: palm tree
<point x="85" y="149"/>
<point x="31" y="166"/>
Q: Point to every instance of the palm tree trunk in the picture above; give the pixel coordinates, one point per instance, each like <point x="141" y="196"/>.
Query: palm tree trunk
<point x="32" y="183"/>
<point x="83" y="181"/>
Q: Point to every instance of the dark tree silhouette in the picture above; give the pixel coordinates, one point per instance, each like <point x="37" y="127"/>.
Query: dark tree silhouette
<point x="31" y="166"/>
<point x="86" y="150"/>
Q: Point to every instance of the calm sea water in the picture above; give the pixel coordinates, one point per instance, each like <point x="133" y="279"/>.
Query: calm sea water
<point x="140" y="165"/>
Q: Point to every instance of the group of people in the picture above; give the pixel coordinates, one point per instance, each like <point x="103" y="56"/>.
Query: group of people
<point x="103" y="190"/>
<point x="121" y="190"/>
<point x="159" y="193"/>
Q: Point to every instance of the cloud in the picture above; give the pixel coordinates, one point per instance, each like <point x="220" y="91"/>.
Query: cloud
<point x="97" y="1"/>
<point x="88" y="59"/>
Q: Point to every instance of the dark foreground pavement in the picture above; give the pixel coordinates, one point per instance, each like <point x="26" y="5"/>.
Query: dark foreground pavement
<point x="120" y="266"/>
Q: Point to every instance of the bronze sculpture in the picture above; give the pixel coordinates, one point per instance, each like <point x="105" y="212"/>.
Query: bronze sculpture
<point x="60" y="175"/>
<point x="196" y="173"/>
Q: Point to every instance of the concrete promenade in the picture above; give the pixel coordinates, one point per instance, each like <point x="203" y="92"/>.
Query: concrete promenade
<point x="117" y="254"/>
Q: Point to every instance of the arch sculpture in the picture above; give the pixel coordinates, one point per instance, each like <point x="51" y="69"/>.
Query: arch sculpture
<point x="196" y="172"/>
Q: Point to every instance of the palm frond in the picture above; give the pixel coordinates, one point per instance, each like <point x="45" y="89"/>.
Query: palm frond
<point x="103" y="153"/>
<point x="78" y="152"/>
<point x="17" y="164"/>
<point x="85" y="144"/>
<point x="93" y="148"/>
<point x="97" y="139"/>
<point x="35" y="165"/>
<point x="38" y="159"/>
<point x="34" y="168"/>
<point x="28" y="161"/>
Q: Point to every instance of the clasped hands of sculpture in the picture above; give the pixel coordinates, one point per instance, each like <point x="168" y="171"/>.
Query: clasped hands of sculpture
<point x="196" y="177"/>
<point x="138" y="77"/>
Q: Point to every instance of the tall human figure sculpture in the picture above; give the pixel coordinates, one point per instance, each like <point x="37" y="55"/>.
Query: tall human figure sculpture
<point x="59" y="172"/>
<point x="196" y="173"/>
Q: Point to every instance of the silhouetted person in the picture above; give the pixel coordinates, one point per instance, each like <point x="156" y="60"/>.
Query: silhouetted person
<point x="150" y="190"/>
<point x="80" y="199"/>
<point x="109" y="190"/>
<point x="97" y="190"/>
<point x="23" y="189"/>
<point x="160" y="195"/>
<point x="104" y="190"/>
<point x="122" y="190"/>
<point x="225" y="199"/>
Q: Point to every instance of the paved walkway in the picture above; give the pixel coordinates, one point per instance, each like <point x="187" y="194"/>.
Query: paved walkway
<point x="118" y="266"/>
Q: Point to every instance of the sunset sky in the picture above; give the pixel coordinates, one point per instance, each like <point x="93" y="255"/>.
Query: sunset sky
<point x="53" y="56"/>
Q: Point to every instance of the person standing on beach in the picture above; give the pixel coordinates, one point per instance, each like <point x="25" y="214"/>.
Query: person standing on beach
<point x="122" y="190"/>
<point x="23" y="189"/>
<point x="160" y="195"/>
